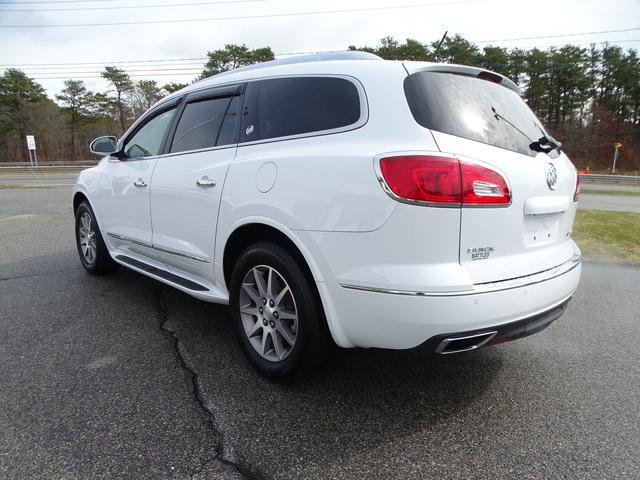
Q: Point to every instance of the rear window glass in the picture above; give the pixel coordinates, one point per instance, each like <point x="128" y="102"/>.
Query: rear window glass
<point x="199" y="124"/>
<point x="472" y="108"/>
<point x="291" y="106"/>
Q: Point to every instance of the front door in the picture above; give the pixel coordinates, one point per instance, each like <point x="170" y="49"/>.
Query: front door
<point x="124" y="205"/>
<point x="187" y="183"/>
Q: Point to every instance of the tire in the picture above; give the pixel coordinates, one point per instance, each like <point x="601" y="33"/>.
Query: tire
<point x="263" y="314"/>
<point x="93" y="253"/>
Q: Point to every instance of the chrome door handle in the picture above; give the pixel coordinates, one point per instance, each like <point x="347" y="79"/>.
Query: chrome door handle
<point x="205" y="182"/>
<point x="140" y="183"/>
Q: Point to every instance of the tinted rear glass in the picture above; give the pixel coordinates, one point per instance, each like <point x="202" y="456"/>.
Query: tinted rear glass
<point x="472" y="108"/>
<point x="291" y="106"/>
<point x="199" y="124"/>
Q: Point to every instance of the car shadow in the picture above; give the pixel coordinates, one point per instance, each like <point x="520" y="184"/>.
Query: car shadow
<point x="363" y="399"/>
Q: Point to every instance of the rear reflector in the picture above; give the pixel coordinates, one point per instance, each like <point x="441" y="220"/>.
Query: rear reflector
<point x="576" y="194"/>
<point x="443" y="180"/>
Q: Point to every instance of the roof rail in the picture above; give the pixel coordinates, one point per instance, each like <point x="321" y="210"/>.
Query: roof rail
<point x="314" y="57"/>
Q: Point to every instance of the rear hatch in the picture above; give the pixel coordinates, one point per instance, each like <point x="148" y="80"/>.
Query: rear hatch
<point x="480" y="118"/>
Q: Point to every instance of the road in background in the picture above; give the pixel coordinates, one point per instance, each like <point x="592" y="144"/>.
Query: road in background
<point x="33" y="180"/>
<point x="120" y="376"/>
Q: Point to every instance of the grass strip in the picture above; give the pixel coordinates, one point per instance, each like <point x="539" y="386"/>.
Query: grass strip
<point x="592" y="191"/>
<point x="605" y="235"/>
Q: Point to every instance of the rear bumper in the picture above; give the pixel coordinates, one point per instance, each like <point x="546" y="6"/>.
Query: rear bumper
<point x="457" y="342"/>
<point x="405" y="320"/>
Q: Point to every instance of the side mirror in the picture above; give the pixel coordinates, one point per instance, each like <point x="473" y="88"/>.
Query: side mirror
<point x="104" y="146"/>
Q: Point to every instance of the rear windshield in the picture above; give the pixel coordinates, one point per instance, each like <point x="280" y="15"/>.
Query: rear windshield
<point x="472" y="108"/>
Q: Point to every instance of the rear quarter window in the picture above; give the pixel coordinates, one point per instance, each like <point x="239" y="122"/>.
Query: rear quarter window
<point x="472" y="108"/>
<point x="282" y="107"/>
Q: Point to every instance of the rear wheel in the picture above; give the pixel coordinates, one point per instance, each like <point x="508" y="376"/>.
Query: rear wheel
<point x="277" y="314"/>
<point x="92" y="250"/>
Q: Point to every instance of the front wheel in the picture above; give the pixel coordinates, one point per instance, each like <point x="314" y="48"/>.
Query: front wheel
<point x="92" y="250"/>
<point x="277" y="314"/>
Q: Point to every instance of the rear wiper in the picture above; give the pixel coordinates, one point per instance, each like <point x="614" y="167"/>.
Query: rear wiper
<point x="545" y="144"/>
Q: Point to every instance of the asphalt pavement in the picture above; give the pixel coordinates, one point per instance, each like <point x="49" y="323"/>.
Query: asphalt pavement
<point x="122" y="377"/>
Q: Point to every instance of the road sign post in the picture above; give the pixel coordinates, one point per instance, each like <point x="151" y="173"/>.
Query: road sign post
<point x="616" y="146"/>
<point x="31" y="145"/>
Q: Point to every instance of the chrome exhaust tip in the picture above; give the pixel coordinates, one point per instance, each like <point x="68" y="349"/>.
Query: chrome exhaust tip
<point x="465" y="344"/>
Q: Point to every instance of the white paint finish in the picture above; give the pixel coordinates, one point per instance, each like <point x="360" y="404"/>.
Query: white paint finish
<point x="399" y="321"/>
<point x="266" y="177"/>
<point x="184" y="215"/>
<point x="547" y="204"/>
<point x="322" y="193"/>
<point x="123" y="207"/>
<point x="522" y="244"/>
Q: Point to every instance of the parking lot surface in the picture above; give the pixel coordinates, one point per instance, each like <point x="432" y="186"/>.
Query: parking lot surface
<point x="121" y="376"/>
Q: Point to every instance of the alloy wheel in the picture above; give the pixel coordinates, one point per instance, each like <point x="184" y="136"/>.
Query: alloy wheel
<point x="269" y="314"/>
<point x="87" y="237"/>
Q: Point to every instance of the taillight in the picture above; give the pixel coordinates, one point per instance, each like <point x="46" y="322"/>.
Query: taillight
<point x="423" y="178"/>
<point x="482" y="186"/>
<point x="443" y="180"/>
<point x="576" y="194"/>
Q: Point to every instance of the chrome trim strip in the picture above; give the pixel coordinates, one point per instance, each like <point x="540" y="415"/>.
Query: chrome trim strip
<point x="480" y="288"/>
<point x="180" y="254"/>
<point x="160" y="249"/>
<point x="131" y="240"/>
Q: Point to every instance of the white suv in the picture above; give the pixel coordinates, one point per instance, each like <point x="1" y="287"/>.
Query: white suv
<point x="342" y="199"/>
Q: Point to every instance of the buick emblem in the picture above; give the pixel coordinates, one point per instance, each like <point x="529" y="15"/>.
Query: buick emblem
<point x="551" y="174"/>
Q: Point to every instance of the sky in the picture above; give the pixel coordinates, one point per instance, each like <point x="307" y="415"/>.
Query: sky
<point x="52" y="50"/>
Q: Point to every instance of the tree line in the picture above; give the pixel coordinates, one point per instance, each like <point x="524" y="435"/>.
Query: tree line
<point x="588" y="98"/>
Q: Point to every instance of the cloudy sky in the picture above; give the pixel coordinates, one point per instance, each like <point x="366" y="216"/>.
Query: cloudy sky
<point x="188" y="30"/>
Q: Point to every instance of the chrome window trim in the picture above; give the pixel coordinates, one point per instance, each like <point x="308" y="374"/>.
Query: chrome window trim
<point x="480" y="288"/>
<point x="362" y="120"/>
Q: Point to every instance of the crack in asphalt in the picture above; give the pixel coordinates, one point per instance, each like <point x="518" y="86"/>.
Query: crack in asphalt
<point x="39" y="274"/>
<point x="222" y="454"/>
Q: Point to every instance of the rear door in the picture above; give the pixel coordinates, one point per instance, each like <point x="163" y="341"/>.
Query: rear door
<point x="188" y="179"/>
<point x="482" y="121"/>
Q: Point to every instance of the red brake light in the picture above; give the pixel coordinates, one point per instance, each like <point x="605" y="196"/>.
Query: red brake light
<point x="576" y="194"/>
<point x="423" y="178"/>
<point x="482" y="186"/>
<point x="435" y="179"/>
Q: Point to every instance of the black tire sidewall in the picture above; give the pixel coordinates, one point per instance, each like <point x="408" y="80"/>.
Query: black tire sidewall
<point x="310" y="316"/>
<point x="103" y="262"/>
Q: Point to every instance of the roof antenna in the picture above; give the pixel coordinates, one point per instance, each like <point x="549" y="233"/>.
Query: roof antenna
<point x="435" y="54"/>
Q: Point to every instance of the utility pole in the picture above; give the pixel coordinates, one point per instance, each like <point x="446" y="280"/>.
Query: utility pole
<point x="616" y="146"/>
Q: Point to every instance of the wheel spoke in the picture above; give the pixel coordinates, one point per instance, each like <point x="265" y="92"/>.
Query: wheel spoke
<point x="252" y="294"/>
<point x="277" y="344"/>
<point x="250" y="310"/>
<point x="262" y="289"/>
<point x="269" y="289"/>
<point x="284" y="315"/>
<point x="288" y="337"/>
<point x="256" y="326"/>
<point x="281" y="295"/>
<point x="265" y="335"/>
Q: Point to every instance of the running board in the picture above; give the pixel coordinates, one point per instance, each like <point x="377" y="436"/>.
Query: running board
<point x="158" y="272"/>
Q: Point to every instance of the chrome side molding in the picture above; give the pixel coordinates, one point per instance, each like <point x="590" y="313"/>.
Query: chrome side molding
<point x="159" y="249"/>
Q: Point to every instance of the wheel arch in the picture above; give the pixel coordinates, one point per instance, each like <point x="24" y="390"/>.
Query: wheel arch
<point x="255" y="230"/>
<point x="78" y="198"/>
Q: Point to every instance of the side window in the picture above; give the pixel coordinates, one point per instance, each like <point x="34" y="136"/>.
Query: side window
<point x="229" y="125"/>
<point x="199" y="124"/>
<point x="146" y="142"/>
<point x="281" y="107"/>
